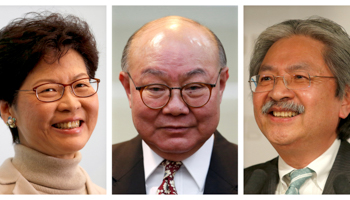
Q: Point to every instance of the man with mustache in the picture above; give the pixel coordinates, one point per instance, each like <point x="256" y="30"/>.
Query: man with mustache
<point x="174" y="74"/>
<point x="299" y="78"/>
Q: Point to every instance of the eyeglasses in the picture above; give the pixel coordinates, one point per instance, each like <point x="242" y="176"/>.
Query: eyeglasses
<point x="49" y="92"/>
<point x="293" y="81"/>
<point x="156" y="96"/>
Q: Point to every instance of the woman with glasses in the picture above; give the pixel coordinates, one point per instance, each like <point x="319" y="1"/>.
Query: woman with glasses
<point x="48" y="99"/>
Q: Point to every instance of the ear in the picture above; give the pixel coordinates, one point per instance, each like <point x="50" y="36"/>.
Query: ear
<point x="5" y="110"/>
<point x="224" y="75"/>
<point x="345" y="107"/>
<point x="125" y="81"/>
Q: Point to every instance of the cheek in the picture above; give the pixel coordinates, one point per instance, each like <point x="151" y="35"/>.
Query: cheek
<point x="91" y="106"/>
<point x="208" y="116"/>
<point x="31" y="112"/>
<point x="258" y="102"/>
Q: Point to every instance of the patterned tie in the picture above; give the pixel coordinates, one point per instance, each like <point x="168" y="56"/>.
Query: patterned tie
<point x="297" y="179"/>
<point x="168" y="184"/>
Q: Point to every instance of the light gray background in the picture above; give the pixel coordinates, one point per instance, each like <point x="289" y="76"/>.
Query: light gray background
<point x="94" y="153"/>
<point x="257" y="149"/>
<point x="222" y="20"/>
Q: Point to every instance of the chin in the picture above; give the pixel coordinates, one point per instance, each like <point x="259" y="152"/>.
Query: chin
<point x="281" y="138"/>
<point x="73" y="146"/>
<point x="176" y="147"/>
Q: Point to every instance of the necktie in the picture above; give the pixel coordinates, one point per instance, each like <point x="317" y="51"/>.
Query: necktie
<point x="168" y="184"/>
<point x="297" y="179"/>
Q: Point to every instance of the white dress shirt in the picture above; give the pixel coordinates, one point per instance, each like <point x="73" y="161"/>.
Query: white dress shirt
<point x="321" y="165"/>
<point x="189" y="179"/>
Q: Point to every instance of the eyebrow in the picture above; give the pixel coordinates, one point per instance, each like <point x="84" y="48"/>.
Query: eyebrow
<point x="152" y="72"/>
<point x="291" y="68"/>
<point x="162" y="73"/>
<point x="80" y="75"/>
<point x="195" y="72"/>
<point x="265" y="68"/>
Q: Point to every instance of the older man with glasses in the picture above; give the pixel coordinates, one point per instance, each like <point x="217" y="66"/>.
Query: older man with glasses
<point x="174" y="74"/>
<point x="299" y="78"/>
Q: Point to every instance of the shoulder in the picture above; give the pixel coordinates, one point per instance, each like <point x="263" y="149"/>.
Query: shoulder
<point x="344" y="147"/>
<point x="123" y="149"/>
<point x="125" y="156"/>
<point x="269" y="166"/>
<point x="224" y="151"/>
<point x="8" y="177"/>
<point x="12" y="181"/>
<point x="126" y="146"/>
<point x="92" y="188"/>
<point x="222" y="177"/>
<point x="223" y="143"/>
<point x="127" y="167"/>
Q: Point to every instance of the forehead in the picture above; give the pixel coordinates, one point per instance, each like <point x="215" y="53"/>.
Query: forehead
<point x="66" y="68"/>
<point x="295" y="53"/>
<point x="173" y="48"/>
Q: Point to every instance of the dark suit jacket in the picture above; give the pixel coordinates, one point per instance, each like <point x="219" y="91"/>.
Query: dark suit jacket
<point x="128" y="171"/>
<point x="341" y="165"/>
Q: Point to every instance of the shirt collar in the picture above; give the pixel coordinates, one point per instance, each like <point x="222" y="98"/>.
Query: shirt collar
<point x="197" y="164"/>
<point x="320" y="165"/>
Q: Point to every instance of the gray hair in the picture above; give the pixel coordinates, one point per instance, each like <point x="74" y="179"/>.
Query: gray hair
<point x="127" y="48"/>
<point x="336" y="53"/>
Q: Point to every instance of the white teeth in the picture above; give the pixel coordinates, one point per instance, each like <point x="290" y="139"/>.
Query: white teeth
<point x="284" y="114"/>
<point x="68" y="125"/>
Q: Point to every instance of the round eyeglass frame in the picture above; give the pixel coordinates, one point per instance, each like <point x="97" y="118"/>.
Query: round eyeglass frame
<point x="210" y="87"/>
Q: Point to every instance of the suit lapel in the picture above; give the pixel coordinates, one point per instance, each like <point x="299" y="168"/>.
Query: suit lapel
<point x="340" y="166"/>
<point x="222" y="173"/>
<point x="273" y="177"/>
<point x="128" y="171"/>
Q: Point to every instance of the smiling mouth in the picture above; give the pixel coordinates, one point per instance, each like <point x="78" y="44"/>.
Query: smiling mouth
<point x="67" y="125"/>
<point x="284" y="114"/>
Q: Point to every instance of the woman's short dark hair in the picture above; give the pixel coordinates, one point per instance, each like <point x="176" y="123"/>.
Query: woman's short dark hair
<point x="25" y="41"/>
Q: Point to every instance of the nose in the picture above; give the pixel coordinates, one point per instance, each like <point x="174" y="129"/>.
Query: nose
<point x="176" y="105"/>
<point x="69" y="102"/>
<point x="280" y="92"/>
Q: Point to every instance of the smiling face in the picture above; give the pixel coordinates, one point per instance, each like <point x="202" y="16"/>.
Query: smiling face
<point x="38" y="122"/>
<point x="315" y="128"/>
<point x="174" y="56"/>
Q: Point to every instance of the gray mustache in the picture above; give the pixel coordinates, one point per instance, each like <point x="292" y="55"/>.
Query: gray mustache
<point x="284" y="105"/>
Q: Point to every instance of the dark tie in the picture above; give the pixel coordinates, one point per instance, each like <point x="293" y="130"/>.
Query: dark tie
<point x="168" y="184"/>
<point x="297" y="179"/>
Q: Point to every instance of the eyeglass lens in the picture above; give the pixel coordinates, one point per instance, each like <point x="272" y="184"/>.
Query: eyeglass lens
<point x="266" y="82"/>
<point x="54" y="91"/>
<point x="194" y="94"/>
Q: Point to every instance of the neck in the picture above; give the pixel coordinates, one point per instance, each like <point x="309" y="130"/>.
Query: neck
<point x="174" y="156"/>
<point x="49" y="174"/>
<point x="299" y="154"/>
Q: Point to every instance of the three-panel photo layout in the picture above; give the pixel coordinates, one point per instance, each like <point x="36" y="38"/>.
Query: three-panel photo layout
<point x="119" y="100"/>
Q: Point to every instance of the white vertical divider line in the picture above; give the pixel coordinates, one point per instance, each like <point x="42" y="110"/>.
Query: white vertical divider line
<point x="240" y="98"/>
<point x="109" y="92"/>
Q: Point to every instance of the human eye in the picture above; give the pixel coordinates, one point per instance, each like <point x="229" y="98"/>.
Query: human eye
<point x="299" y="76"/>
<point x="154" y="91"/>
<point x="265" y="78"/>
<point x="47" y="88"/>
<point x="195" y="90"/>
<point x="81" y="84"/>
<point x="194" y="87"/>
<point x="155" y="88"/>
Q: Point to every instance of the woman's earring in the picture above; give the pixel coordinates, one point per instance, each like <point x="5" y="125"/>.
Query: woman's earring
<point x="11" y="122"/>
